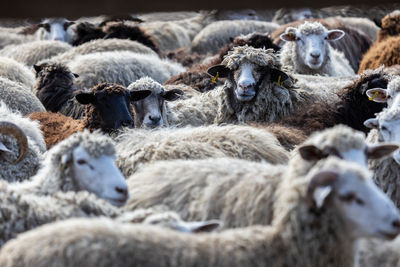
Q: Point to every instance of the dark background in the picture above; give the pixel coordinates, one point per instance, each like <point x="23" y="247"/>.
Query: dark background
<point x="77" y="8"/>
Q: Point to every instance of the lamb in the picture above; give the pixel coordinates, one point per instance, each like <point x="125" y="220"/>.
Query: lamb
<point x="217" y="34"/>
<point x="307" y="52"/>
<point x="33" y="52"/>
<point x="350" y="107"/>
<point x="19" y="97"/>
<point x="207" y="189"/>
<point x="137" y="147"/>
<point x="386" y="171"/>
<point x="314" y="228"/>
<point x="152" y="111"/>
<point x="121" y="67"/>
<point x="248" y="94"/>
<point x="17" y="72"/>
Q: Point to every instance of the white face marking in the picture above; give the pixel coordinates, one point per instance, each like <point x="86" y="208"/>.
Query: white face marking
<point x="355" y="155"/>
<point x="153" y="113"/>
<point x="99" y="176"/>
<point x="312" y="49"/>
<point x="367" y="210"/>
<point x="245" y="90"/>
<point x="57" y="31"/>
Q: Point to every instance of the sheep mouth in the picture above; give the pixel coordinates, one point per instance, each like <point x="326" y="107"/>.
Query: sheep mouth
<point x="387" y="235"/>
<point x="245" y="96"/>
<point x="117" y="201"/>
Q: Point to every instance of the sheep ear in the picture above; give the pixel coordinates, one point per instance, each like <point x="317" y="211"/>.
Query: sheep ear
<point x="334" y="35"/>
<point x="379" y="151"/>
<point x="289" y="35"/>
<point x="37" y="68"/>
<point x="173" y="94"/>
<point x="75" y="75"/>
<point x="220" y="70"/>
<point x="377" y="95"/>
<point x="139" y="94"/>
<point x="3" y="148"/>
<point x="320" y="187"/>
<point x="275" y="74"/>
<point x="371" y="123"/>
<point x="198" y="227"/>
<point x="311" y="152"/>
<point x="85" y="98"/>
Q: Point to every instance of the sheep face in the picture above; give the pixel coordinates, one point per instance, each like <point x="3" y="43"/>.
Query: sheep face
<point x="58" y="29"/>
<point x="112" y="110"/>
<point x="365" y="209"/>
<point x="312" y="47"/>
<point x="388" y="125"/>
<point x="150" y="111"/>
<point x="99" y="176"/>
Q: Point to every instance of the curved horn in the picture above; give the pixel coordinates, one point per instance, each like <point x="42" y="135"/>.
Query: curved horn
<point x="9" y="128"/>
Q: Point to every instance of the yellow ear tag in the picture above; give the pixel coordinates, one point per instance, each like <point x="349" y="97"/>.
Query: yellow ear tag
<point x="279" y="80"/>
<point x="215" y="78"/>
<point x="372" y="98"/>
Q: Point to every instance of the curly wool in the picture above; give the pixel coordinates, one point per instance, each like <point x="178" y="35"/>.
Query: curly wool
<point x="393" y="86"/>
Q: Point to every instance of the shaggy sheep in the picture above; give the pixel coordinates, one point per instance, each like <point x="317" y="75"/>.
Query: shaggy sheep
<point x="18" y="97"/>
<point x="307" y="51"/>
<point x="354" y="43"/>
<point x="33" y="52"/>
<point x="214" y="36"/>
<point x="255" y="90"/>
<point x="389" y="26"/>
<point x="121" y="67"/>
<point x="7" y="38"/>
<point x="364" y="25"/>
<point x="386" y="171"/>
<point x="314" y="227"/>
<point x="384" y="53"/>
<point x="351" y="106"/>
<point x="102" y="46"/>
<point x="152" y="111"/>
<point x="207" y="189"/>
<point x="17" y="72"/>
<point x="21" y="146"/>
<point x="138" y="147"/>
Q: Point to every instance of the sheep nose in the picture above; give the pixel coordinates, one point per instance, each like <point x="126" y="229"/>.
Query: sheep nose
<point x="58" y="39"/>
<point x="122" y="191"/>
<point x="396" y="225"/>
<point x="155" y="119"/>
<point x="315" y="55"/>
<point x="245" y="85"/>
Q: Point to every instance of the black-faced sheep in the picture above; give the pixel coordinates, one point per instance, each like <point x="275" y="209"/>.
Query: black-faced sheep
<point x="313" y="227"/>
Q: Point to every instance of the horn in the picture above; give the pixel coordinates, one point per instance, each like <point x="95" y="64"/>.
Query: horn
<point x="322" y="178"/>
<point x="11" y="129"/>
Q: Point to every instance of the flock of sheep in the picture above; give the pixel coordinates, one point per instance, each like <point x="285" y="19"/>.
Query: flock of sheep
<point x="125" y="140"/>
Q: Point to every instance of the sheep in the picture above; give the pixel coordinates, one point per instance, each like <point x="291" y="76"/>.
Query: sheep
<point x="256" y="90"/>
<point x="384" y="129"/>
<point x="353" y="44"/>
<point x="33" y="52"/>
<point x="18" y="97"/>
<point x="389" y="26"/>
<point x="390" y="95"/>
<point x="7" y="38"/>
<point x="218" y="34"/>
<point x="285" y="15"/>
<point x="352" y="106"/>
<point x="207" y="189"/>
<point x="378" y="253"/>
<point x="152" y="111"/>
<point x="136" y="148"/>
<point x="21" y="146"/>
<point x="307" y="51"/>
<point x="121" y="67"/>
<point x="314" y="227"/>
<point x="58" y="29"/>
<point x="101" y="45"/>
<point x="17" y="72"/>
<point x="364" y="25"/>
<point x="381" y="53"/>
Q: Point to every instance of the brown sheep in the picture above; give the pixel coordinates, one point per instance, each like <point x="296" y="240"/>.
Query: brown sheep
<point x="390" y="26"/>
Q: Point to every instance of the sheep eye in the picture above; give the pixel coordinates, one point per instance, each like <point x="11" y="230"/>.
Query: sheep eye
<point x="350" y="197"/>
<point x="298" y="39"/>
<point x="384" y="128"/>
<point x="81" y="161"/>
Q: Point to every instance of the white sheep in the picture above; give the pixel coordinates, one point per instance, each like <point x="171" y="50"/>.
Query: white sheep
<point x="17" y="72"/>
<point x="390" y="95"/>
<point x="21" y="146"/>
<point x="7" y="38"/>
<point x="138" y="147"/>
<point x="307" y="51"/>
<point x="121" y="67"/>
<point x="217" y="34"/>
<point x="239" y="192"/>
<point x="19" y="97"/>
<point x="385" y="128"/>
<point x="318" y="221"/>
<point x="33" y="52"/>
<point x="102" y="45"/>
<point x="364" y="25"/>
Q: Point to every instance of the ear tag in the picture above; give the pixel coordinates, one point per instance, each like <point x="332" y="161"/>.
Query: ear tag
<point x="215" y="78"/>
<point x="290" y="34"/>
<point x="61" y="166"/>
<point x="279" y="80"/>
<point x="372" y="98"/>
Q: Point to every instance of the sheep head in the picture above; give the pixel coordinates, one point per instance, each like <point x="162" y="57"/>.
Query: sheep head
<point x="58" y="29"/>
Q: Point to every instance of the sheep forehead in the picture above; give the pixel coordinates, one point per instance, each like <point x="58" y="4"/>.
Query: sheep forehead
<point x="55" y="68"/>
<point x="146" y="83"/>
<point x="109" y="89"/>
<point x="257" y="56"/>
<point x="341" y="137"/>
<point x="394" y="86"/>
<point x="309" y="28"/>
